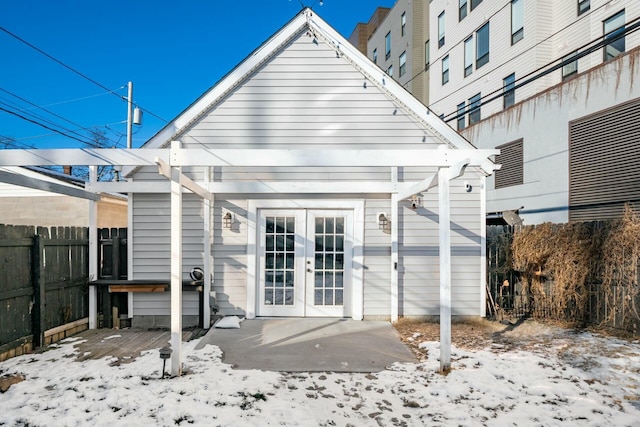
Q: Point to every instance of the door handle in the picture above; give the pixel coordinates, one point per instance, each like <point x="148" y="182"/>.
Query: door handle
<point x="309" y="270"/>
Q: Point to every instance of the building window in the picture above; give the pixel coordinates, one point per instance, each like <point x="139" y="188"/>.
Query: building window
<point x="445" y="69"/>
<point x="614" y="36"/>
<point x="474" y="109"/>
<point x="461" y="114"/>
<point x="468" y="56"/>
<point x="510" y="157"/>
<point x="375" y="56"/>
<point x="475" y="3"/>
<point x="426" y="55"/>
<point x="403" y="63"/>
<point x="583" y="6"/>
<point x="517" y="21"/>
<point x="387" y="45"/>
<point x="508" y="91"/>
<point x="441" y="30"/>
<point x="482" y="45"/>
<point x="403" y="23"/>
<point x="390" y="70"/>
<point x="569" y="67"/>
<point x="462" y="10"/>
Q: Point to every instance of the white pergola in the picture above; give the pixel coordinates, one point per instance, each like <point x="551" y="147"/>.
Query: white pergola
<point x="449" y="163"/>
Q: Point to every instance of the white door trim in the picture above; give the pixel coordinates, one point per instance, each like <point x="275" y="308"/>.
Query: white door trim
<point x="357" y="285"/>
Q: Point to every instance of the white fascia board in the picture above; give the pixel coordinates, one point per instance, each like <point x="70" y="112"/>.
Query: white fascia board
<point x="388" y="84"/>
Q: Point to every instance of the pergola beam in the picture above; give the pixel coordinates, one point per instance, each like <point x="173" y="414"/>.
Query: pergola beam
<point x="165" y="170"/>
<point x="51" y="187"/>
<point x="422" y="157"/>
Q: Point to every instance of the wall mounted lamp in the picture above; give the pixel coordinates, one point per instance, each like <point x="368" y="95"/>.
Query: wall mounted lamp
<point x="416" y="201"/>
<point x="227" y="219"/>
<point x="383" y="221"/>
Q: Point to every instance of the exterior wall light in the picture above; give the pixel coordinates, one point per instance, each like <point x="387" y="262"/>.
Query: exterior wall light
<point x="416" y="201"/>
<point x="383" y="221"/>
<point x="227" y="219"/>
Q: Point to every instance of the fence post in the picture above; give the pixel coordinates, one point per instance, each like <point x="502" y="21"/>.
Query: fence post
<point x="38" y="283"/>
<point x="115" y="256"/>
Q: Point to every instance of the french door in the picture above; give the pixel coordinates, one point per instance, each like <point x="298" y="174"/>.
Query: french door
<point x="305" y="262"/>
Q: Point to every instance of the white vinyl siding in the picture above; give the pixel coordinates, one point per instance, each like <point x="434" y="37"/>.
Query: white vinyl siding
<point x="419" y="252"/>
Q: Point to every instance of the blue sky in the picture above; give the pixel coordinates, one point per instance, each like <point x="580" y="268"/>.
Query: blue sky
<point x="172" y="51"/>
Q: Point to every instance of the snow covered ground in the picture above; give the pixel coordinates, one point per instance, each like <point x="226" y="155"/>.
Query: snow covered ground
<point x="558" y="378"/>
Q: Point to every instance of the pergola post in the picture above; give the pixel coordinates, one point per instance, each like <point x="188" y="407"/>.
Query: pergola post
<point x="207" y="261"/>
<point x="176" y="268"/>
<point x="444" y="220"/>
<point x="93" y="253"/>
<point x="394" y="249"/>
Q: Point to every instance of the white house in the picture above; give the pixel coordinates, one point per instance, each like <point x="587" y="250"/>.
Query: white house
<point x="305" y="183"/>
<point x="357" y="236"/>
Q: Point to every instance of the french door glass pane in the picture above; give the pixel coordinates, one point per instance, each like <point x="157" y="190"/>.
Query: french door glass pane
<point x="279" y="260"/>
<point x="329" y="261"/>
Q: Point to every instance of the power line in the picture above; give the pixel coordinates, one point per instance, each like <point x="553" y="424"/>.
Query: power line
<point x="47" y="127"/>
<point x="50" y="112"/>
<point x="70" y="68"/>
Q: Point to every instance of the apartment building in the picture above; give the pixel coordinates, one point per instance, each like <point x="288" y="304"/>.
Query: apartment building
<point x="550" y="83"/>
<point x="483" y="50"/>
<point x="361" y="34"/>
<point x="399" y="44"/>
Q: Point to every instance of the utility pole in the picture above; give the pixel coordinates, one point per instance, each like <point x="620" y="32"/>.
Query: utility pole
<point x="130" y="115"/>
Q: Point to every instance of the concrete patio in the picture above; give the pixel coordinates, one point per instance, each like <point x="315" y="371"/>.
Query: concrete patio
<point x="310" y="345"/>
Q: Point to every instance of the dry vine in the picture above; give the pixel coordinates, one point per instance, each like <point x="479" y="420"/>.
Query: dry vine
<point x="620" y="273"/>
<point x="556" y="261"/>
<point x="582" y="271"/>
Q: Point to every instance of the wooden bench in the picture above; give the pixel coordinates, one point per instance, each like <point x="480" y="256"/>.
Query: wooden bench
<point x="108" y="286"/>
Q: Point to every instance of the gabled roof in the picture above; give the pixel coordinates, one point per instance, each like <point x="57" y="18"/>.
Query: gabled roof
<point x="308" y="21"/>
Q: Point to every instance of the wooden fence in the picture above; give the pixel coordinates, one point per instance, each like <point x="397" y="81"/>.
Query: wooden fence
<point x="44" y="275"/>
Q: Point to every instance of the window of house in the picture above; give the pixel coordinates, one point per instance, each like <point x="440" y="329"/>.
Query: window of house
<point x="462" y="10"/>
<point x="508" y="90"/>
<point x="482" y="45"/>
<point x="441" y="30"/>
<point x="468" y="56"/>
<point x="403" y="22"/>
<point x="403" y="63"/>
<point x="445" y="69"/>
<point x="390" y="70"/>
<point x="512" y="170"/>
<point x="517" y="20"/>
<point x="461" y="114"/>
<point x="569" y="67"/>
<point x="387" y="45"/>
<point x="474" y="109"/>
<point x="375" y="56"/>
<point x="583" y="6"/>
<point x="426" y="55"/>
<point x="614" y="36"/>
<point x="475" y="3"/>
